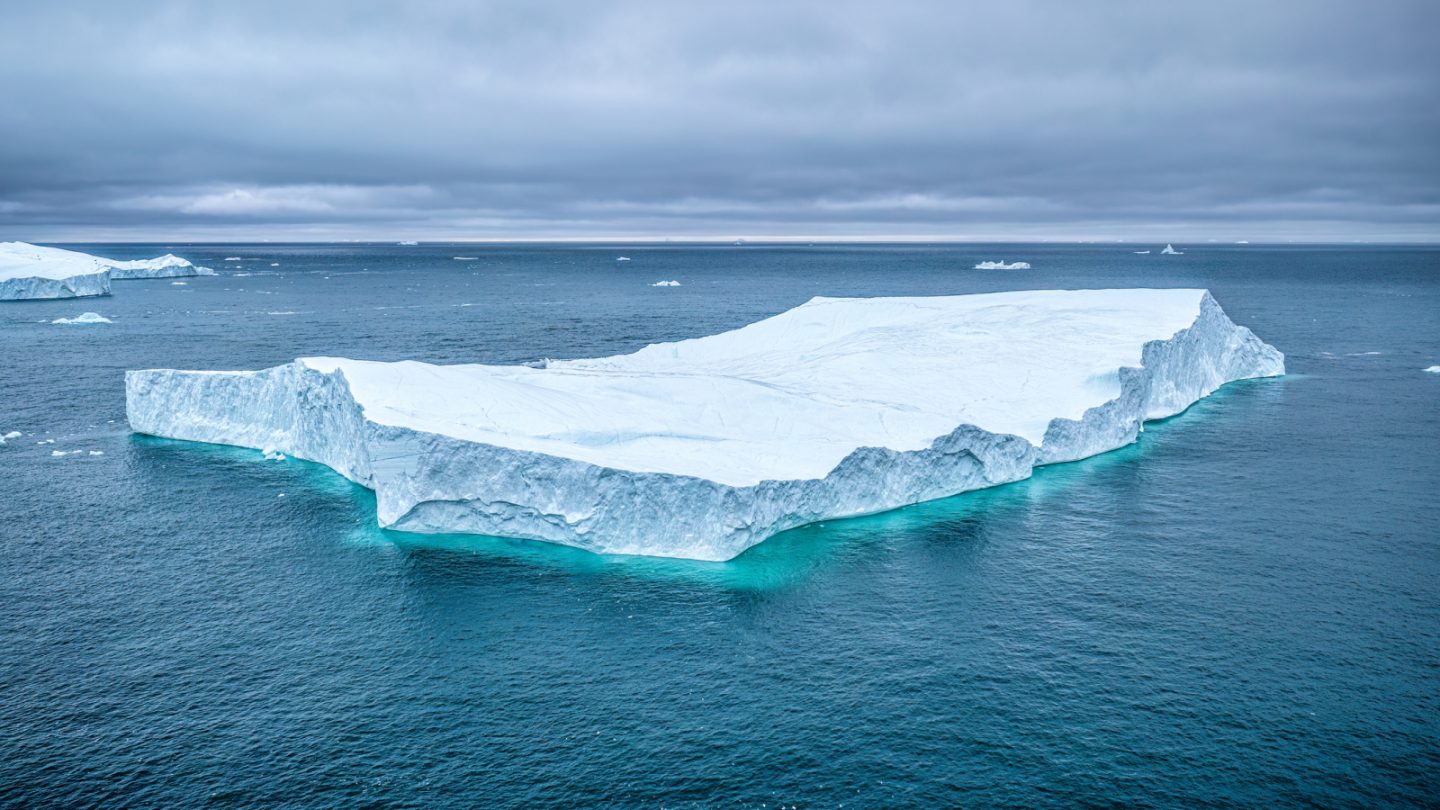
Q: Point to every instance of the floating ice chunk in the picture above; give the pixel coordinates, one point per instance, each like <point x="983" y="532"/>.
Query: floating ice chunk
<point x="1002" y="266"/>
<point x="275" y="264"/>
<point x="666" y="284"/>
<point x="407" y="243"/>
<point x="1171" y="251"/>
<point x="466" y="258"/>
<point x="272" y="454"/>
<point x="62" y="453"/>
<point x="14" y="434"/>
<point x="1243" y="242"/>
<point x="167" y="266"/>
<point x="46" y="441"/>
<point x="622" y="258"/>
<point x="29" y="271"/>
<point x="233" y="259"/>
<point x="1141" y="252"/>
<point x="97" y="452"/>
<point x="703" y="448"/>
<point x="1433" y="370"/>
<point x="178" y="283"/>
<point x="87" y="317"/>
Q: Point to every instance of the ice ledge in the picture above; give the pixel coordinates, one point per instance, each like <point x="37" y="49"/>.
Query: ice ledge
<point x="428" y="482"/>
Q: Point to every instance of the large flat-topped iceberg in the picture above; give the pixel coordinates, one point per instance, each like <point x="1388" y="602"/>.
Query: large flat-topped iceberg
<point x="167" y="266"/>
<point x="29" y="271"/>
<point x="704" y="447"/>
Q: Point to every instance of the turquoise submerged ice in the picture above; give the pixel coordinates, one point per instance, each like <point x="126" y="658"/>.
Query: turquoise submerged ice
<point x="703" y="448"/>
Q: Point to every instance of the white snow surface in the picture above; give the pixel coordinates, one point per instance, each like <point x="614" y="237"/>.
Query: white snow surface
<point x="703" y="448"/>
<point x="30" y="271"/>
<point x="1002" y="266"/>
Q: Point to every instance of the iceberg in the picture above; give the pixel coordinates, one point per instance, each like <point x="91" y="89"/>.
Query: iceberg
<point x="407" y="243"/>
<point x="87" y="317"/>
<point x="29" y="272"/>
<point x="1171" y="251"/>
<point x="1432" y="370"/>
<point x="702" y="448"/>
<point x="167" y="266"/>
<point x="666" y="284"/>
<point x="1002" y="266"/>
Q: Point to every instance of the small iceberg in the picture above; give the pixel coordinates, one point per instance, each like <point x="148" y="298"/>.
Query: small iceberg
<point x="622" y="258"/>
<point x="233" y="259"/>
<point x="1141" y="252"/>
<point x="275" y="264"/>
<point x="1171" y="251"/>
<point x="88" y="317"/>
<point x="1002" y="266"/>
<point x="167" y="266"/>
<point x="179" y="283"/>
<point x="1433" y="370"/>
<point x="407" y="243"/>
<point x="465" y="258"/>
<point x="666" y="284"/>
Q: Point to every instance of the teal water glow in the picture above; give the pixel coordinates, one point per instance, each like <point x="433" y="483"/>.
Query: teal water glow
<point x="1242" y="609"/>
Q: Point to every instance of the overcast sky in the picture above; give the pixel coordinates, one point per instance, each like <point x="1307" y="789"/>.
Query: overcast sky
<point x="428" y="119"/>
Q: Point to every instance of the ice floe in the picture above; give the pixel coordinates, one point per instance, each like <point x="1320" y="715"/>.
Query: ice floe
<point x="84" y="318"/>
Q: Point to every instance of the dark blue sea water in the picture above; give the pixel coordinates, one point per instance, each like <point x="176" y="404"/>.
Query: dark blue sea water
<point x="1241" y="610"/>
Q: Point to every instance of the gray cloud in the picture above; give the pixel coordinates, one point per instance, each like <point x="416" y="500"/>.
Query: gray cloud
<point x="1283" y="119"/>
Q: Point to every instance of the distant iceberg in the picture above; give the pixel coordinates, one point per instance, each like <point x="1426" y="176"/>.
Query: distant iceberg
<point x="29" y="272"/>
<point x="703" y="448"/>
<point x="1141" y="252"/>
<point x="87" y="317"/>
<point x="466" y="258"/>
<point x="407" y="243"/>
<point x="233" y="259"/>
<point x="167" y="266"/>
<point x="1002" y="266"/>
<point x="622" y="258"/>
<point x="1433" y="370"/>
<point x="1171" y="251"/>
<point x="666" y="284"/>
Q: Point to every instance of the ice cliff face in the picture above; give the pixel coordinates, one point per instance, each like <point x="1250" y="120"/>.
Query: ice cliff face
<point x="705" y="447"/>
<point x="30" y="271"/>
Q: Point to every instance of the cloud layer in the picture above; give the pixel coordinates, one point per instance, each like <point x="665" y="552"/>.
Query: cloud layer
<point x="1310" y="119"/>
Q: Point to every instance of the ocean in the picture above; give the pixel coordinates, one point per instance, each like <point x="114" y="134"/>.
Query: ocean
<point x="1242" y="609"/>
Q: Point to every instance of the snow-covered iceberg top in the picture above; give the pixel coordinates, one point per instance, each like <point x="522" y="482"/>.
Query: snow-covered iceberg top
<point x="704" y="447"/>
<point x="167" y="266"/>
<point x="30" y="271"/>
<point x="1002" y="266"/>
